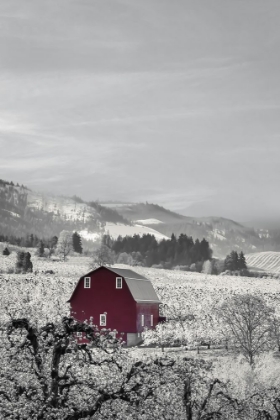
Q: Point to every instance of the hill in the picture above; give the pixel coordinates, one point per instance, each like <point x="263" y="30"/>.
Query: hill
<point x="23" y="211"/>
<point x="145" y="211"/>
<point x="266" y="261"/>
<point x="223" y="234"/>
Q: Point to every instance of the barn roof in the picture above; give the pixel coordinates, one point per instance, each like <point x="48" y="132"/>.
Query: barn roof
<point x="140" y="287"/>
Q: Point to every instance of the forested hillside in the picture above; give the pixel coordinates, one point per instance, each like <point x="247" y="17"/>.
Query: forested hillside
<point x="24" y="212"/>
<point x="223" y="234"/>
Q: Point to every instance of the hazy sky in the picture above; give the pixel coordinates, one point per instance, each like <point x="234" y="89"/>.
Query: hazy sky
<point x="174" y="102"/>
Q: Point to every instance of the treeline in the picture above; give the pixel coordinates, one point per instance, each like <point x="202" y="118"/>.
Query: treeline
<point x="32" y="241"/>
<point x="27" y="241"/>
<point x="4" y="183"/>
<point x="107" y="214"/>
<point x="235" y="262"/>
<point x="168" y="253"/>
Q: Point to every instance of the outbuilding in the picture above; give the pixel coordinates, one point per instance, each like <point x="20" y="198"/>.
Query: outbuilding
<point x="116" y="298"/>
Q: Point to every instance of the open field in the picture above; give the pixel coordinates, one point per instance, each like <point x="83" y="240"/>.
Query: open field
<point x="40" y="296"/>
<point x="267" y="261"/>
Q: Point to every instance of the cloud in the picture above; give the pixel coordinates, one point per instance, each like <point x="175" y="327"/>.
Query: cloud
<point x="151" y="100"/>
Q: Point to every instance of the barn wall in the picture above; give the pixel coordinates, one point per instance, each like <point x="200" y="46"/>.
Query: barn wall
<point x="104" y="297"/>
<point x="147" y="309"/>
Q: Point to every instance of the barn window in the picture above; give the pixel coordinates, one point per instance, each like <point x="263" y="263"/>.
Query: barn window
<point x="152" y="320"/>
<point x="102" y="320"/>
<point x="79" y="334"/>
<point x="87" y="282"/>
<point x="142" y="320"/>
<point x="118" y="283"/>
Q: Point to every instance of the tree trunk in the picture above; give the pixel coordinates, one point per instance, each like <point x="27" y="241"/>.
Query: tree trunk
<point x="187" y="398"/>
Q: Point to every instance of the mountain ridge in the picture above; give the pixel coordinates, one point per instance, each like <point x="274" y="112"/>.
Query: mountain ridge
<point x="25" y="211"/>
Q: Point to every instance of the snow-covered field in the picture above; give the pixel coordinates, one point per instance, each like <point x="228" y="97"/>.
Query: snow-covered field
<point x="268" y="261"/>
<point x="40" y="295"/>
<point x="149" y="222"/>
<point x="118" y="229"/>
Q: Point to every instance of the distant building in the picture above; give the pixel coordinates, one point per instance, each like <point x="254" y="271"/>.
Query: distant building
<point x="118" y="299"/>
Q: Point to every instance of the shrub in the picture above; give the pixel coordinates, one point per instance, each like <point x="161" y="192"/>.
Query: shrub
<point x="6" y="251"/>
<point x="182" y="267"/>
<point x="193" y="267"/>
<point x="23" y="264"/>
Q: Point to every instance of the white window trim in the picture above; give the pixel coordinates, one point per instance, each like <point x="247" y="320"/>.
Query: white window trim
<point x="102" y="323"/>
<point x="79" y="334"/>
<point x="118" y="278"/>
<point x="152" y="320"/>
<point x="142" y="320"/>
<point x="85" y="282"/>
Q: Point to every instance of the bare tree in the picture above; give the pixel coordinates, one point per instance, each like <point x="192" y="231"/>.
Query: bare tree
<point x="248" y="319"/>
<point x="275" y="330"/>
<point x="46" y="373"/>
<point x="102" y="256"/>
<point x="64" y="244"/>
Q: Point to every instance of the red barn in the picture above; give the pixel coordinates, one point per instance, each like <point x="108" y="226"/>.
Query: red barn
<point x="118" y="299"/>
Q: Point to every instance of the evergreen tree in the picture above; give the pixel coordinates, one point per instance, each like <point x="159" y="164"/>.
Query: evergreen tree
<point x="23" y="263"/>
<point x="6" y="251"/>
<point x="27" y="264"/>
<point x="40" y="249"/>
<point x="19" y="262"/>
<point x="242" y="262"/>
<point x="77" y="243"/>
<point x="232" y="261"/>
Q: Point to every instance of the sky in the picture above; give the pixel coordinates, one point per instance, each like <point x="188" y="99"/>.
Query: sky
<point x="171" y="102"/>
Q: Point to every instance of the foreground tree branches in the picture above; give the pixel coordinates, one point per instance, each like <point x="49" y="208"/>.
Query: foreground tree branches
<point x="47" y="374"/>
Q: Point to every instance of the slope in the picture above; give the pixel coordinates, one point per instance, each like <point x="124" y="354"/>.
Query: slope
<point x="23" y="211"/>
<point x="223" y="234"/>
<point x="268" y="261"/>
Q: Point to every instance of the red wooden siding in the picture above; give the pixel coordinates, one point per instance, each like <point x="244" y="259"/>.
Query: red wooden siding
<point x="103" y="297"/>
<point x="147" y="309"/>
<point x="123" y="307"/>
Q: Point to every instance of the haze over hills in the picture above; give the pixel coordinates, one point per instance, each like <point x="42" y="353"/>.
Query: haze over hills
<point x="223" y="234"/>
<point x="24" y="211"/>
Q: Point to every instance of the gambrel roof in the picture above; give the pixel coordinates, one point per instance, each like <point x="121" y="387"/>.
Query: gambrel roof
<point x="140" y="287"/>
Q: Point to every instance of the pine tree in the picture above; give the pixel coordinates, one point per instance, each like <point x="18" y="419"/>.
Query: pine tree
<point x="23" y="263"/>
<point x="27" y="264"/>
<point x="77" y="243"/>
<point x="242" y="262"/>
<point x="232" y="261"/>
<point x="51" y="245"/>
<point x="6" y="251"/>
<point x="40" y="249"/>
<point x="19" y="262"/>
